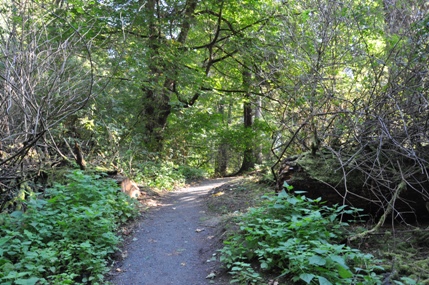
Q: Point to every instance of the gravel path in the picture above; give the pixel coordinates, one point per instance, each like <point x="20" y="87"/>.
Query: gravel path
<point x="172" y="245"/>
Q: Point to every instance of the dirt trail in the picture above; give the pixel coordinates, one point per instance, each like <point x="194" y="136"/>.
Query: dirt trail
<point x="172" y="244"/>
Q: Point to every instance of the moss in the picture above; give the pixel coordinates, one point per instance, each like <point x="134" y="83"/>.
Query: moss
<point x="400" y="252"/>
<point x="324" y="166"/>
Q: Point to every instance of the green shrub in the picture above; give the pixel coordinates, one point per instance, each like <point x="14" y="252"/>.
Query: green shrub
<point x="191" y="173"/>
<point x="166" y="175"/>
<point x="66" y="236"/>
<point x="162" y="176"/>
<point x="297" y="236"/>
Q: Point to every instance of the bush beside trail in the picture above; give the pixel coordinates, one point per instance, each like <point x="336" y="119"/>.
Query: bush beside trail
<point x="65" y="235"/>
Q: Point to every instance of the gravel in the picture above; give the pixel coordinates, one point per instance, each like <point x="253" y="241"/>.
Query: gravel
<point x="173" y="244"/>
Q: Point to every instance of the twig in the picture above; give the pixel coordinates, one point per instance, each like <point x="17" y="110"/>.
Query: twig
<point x="401" y="186"/>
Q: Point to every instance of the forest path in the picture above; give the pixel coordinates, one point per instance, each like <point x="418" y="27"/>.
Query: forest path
<point x="173" y="242"/>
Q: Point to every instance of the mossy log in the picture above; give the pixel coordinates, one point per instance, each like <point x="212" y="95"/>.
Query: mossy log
<point x="322" y="175"/>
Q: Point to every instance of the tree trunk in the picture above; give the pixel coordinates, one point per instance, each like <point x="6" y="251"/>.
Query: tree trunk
<point x="156" y="94"/>
<point x="222" y="152"/>
<point x="248" y="154"/>
<point x="258" y="116"/>
<point x="221" y="160"/>
<point x="154" y="115"/>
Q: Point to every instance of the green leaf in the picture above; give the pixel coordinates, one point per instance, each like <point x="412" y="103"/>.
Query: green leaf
<point x="324" y="281"/>
<point x="17" y="214"/>
<point x="307" y="277"/>
<point x="344" y="273"/>
<point x="4" y="240"/>
<point x="29" y="281"/>
<point x="340" y="260"/>
<point x="7" y="267"/>
<point x="408" y="280"/>
<point x="283" y="194"/>
<point x="85" y="244"/>
<point x="279" y="206"/>
<point x="320" y="251"/>
<point x="305" y="15"/>
<point x="292" y="200"/>
<point x="317" y="260"/>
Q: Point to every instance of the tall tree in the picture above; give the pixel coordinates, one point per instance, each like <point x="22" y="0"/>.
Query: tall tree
<point x="162" y="79"/>
<point x="249" y="150"/>
<point x="177" y="49"/>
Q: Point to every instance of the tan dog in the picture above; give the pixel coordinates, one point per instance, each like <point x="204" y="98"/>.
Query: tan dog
<point x="130" y="188"/>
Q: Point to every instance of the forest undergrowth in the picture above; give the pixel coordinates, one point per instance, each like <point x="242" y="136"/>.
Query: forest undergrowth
<point x="68" y="234"/>
<point x="291" y="239"/>
<point x="64" y="235"/>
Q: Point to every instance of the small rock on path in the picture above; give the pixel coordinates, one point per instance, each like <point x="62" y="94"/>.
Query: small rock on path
<point x="172" y="245"/>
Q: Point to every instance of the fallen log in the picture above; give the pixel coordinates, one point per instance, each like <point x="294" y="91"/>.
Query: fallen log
<point x="324" y="175"/>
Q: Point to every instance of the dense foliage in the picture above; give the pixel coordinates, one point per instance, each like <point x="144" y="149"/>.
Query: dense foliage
<point x="218" y="85"/>
<point x="157" y="89"/>
<point x="167" y="176"/>
<point x="299" y="238"/>
<point x="65" y="235"/>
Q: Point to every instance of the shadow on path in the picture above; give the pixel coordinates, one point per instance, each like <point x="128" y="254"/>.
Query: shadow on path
<point x="172" y="245"/>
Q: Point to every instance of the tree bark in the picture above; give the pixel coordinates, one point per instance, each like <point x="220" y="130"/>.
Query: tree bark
<point x="79" y="156"/>
<point x="222" y="152"/>
<point x="258" y="116"/>
<point x="156" y="99"/>
<point x="248" y="154"/>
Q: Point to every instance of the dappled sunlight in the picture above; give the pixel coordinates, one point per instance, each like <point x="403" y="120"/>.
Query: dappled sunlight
<point x="193" y="193"/>
<point x="171" y="242"/>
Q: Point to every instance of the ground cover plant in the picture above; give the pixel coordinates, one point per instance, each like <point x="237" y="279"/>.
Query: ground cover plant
<point x="299" y="239"/>
<point x="167" y="176"/>
<point x="403" y="250"/>
<point x="65" y="235"/>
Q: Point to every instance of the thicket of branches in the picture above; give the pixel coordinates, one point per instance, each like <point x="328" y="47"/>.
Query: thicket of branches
<point x="365" y="80"/>
<point x="46" y="75"/>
